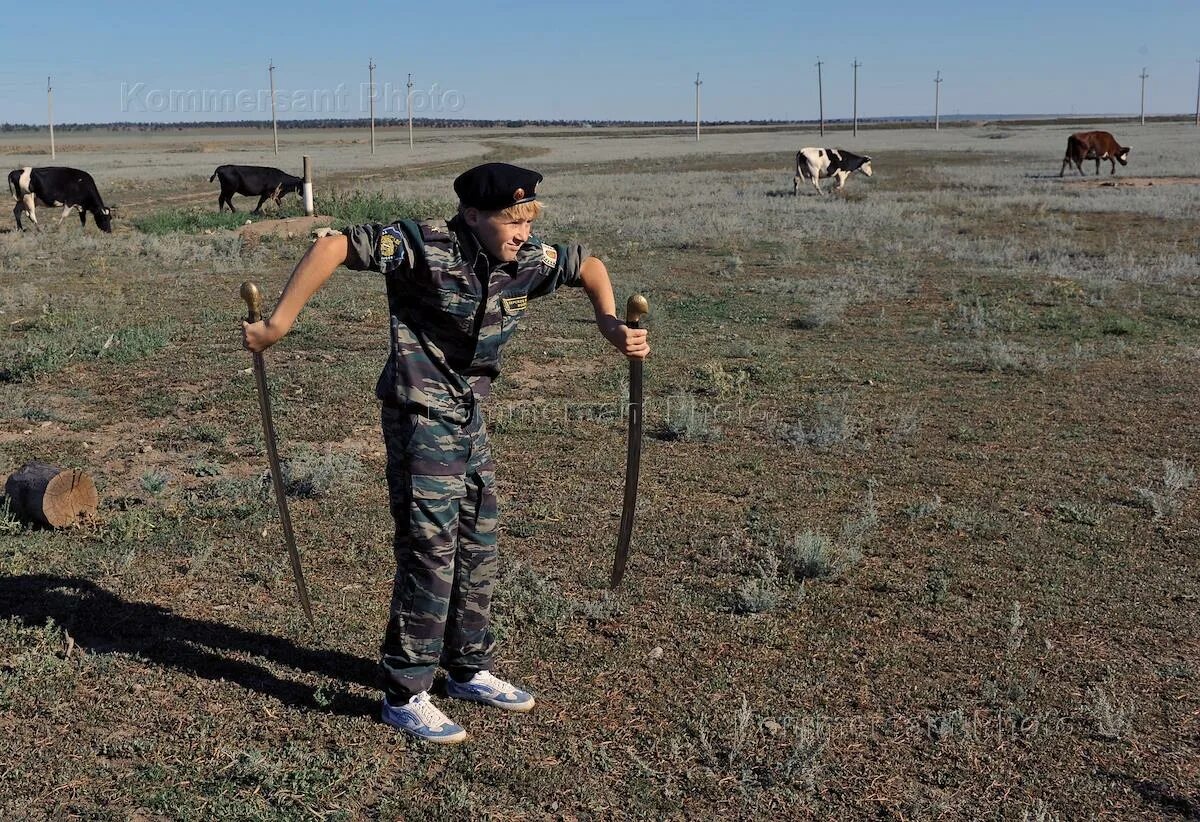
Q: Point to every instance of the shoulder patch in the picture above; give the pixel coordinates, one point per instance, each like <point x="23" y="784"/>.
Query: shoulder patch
<point x="391" y="248"/>
<point x="434" y="231"/>
<point x="549" y="255"/>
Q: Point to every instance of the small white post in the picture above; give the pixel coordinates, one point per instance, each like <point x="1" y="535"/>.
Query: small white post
<point x="308" y="187"/>
<point x="699" y="83"/>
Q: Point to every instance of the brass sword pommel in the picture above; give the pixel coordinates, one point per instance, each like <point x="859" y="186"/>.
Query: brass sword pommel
<point x="253" y="298"/>
<point x="636" y="308"/>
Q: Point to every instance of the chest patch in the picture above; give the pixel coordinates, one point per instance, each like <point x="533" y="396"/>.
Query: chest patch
<point x="549" y="255"/>
<point x="512" y="304"/>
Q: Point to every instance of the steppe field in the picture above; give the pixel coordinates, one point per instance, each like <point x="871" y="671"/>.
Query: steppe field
<point x="918" y="529"/>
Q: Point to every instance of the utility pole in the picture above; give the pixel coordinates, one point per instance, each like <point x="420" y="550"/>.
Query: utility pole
<point x="274" y="122"/>
<point x="698" y="84"/>
<point x="408" y="105"/>
<point x="820" y="98"/>
<point x="856" y="65"/>
<point x="937" y="100"/>
<point x="1198" y="96"/>
<point x="371" y="73"/>
<point x="50" y="113"/>
<point x="1143" y="75"/>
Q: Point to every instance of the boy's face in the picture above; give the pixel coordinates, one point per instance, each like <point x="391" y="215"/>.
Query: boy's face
<point x="501" y="236"/>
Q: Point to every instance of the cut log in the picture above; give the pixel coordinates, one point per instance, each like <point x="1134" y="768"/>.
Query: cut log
<point x="51" y="496"/>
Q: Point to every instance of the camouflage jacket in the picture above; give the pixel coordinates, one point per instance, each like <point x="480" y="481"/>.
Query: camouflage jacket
<point x="452" y="306"/>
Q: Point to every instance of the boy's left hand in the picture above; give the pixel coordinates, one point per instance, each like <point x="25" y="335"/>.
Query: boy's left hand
<point x="632" y="342"/>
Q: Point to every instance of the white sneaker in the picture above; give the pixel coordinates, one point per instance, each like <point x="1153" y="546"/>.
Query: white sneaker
<point x="422" y="719"/>
<point x="490" y="690"/>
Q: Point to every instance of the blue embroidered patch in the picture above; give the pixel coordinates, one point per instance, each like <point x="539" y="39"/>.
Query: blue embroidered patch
<point x="391" y="249"/>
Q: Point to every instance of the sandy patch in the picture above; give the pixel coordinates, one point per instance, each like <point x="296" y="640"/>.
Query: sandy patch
<point x="289" y="228"/>
<point x="1131" y="182"/>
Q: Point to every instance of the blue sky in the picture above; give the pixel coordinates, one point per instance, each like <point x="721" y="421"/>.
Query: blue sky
<point x="616" y="60"/>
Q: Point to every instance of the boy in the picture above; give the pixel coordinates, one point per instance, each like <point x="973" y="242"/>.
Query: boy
<point x="456" y="292"/>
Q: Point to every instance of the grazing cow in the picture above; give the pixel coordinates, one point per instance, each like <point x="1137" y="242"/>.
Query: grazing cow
<point x="54" y="186"/>
<point x="254" y="181"/>
<point x="1094" y="145"/>
<point x="815" y="163"/>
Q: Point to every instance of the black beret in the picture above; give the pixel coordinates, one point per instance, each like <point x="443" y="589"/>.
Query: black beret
<point x="496" y="186"/>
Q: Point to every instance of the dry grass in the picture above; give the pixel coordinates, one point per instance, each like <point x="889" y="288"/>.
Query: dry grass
<point x="917" y="545"/>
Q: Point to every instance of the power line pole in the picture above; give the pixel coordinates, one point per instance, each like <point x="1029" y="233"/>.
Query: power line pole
<point x="408" y="105"/>
<point x="820" y="98"/>
<point x="371" y="73"/>
<point x="937" y="101"/>
<point x="1198" y="96"/>
<point x="1143" y="75"/>
<point x="50" y="113"/>
<point x="274" y="122"/>
<point x="856" y="65"/>
<point x="699" y="83"/>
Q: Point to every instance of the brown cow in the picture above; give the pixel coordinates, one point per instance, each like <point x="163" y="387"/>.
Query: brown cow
<point x="1094" y="145"/>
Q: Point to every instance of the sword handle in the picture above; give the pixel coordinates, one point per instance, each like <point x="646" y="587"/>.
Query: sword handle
<point x="636" y="308"/>
<point x="253" y="298"/>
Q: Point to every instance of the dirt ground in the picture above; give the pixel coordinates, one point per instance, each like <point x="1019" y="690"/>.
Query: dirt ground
<point x="917" y="535"/>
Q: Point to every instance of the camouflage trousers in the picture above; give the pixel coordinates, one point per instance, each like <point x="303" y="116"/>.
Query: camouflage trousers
<point x="441" y="486"/>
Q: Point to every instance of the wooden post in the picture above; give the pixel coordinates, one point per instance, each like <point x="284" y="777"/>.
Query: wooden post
<point x="698" y="84"/>
<point x="274" y="122"/>
<point x="308" y="187"/>
<point x="937" y="99"/>
<point x="408" y="105"/>
<point x="856" y="65"/>
<point x="1143" y="75"/>
<point x="50" y="496"/>
<point x="1198" y="96"/>
<point x="820" y="97"/>
<point x="50" y="114"/>
<point x="371" y="71"/>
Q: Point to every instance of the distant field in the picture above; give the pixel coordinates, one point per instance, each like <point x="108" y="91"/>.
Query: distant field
<point x="918" y="531"/>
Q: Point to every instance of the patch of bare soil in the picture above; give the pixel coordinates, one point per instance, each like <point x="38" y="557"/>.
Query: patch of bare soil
<point x="288" y="228"/>
<point x="1131" y="182"/>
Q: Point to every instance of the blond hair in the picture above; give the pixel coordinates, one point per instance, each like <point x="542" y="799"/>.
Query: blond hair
<point x="521" y="211"/>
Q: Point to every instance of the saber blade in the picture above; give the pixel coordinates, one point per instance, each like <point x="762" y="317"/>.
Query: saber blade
<point x="635" y="309"/>
<point x="253" y="298"/>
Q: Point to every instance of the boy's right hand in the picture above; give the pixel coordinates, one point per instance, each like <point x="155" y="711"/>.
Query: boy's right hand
<point x="259" y="336"/>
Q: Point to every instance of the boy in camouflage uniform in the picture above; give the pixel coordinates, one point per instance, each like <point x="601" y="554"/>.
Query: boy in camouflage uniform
<point x="456" y="291"/>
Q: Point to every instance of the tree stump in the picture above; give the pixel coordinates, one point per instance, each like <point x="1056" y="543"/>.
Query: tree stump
<point x="51" y="496"/>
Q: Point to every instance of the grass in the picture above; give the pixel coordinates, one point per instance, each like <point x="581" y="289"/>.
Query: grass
<point x="346" y="207"/>
<point x="191" y="221"/>
<point x="952" y="398"/>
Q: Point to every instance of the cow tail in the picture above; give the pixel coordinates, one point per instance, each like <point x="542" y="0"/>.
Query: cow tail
<point x="213" y="177"/>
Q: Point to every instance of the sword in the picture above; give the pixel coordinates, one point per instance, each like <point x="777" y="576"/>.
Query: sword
<point x="253" y="298"/>
<point x="635" y="309"/>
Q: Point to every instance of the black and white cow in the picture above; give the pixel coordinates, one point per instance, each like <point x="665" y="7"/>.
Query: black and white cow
<point x="54" y="186"/>
<point x="254" y="181"/>
<point x="815" y="163"/>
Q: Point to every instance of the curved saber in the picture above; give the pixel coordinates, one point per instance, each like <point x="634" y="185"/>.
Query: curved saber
<point x="253" y="298"/>
<point x="636" y="308"/>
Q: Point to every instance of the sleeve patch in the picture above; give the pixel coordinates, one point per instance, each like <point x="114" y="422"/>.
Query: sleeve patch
<point x="391" y="249"/>
<point x="549" y="255"/>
